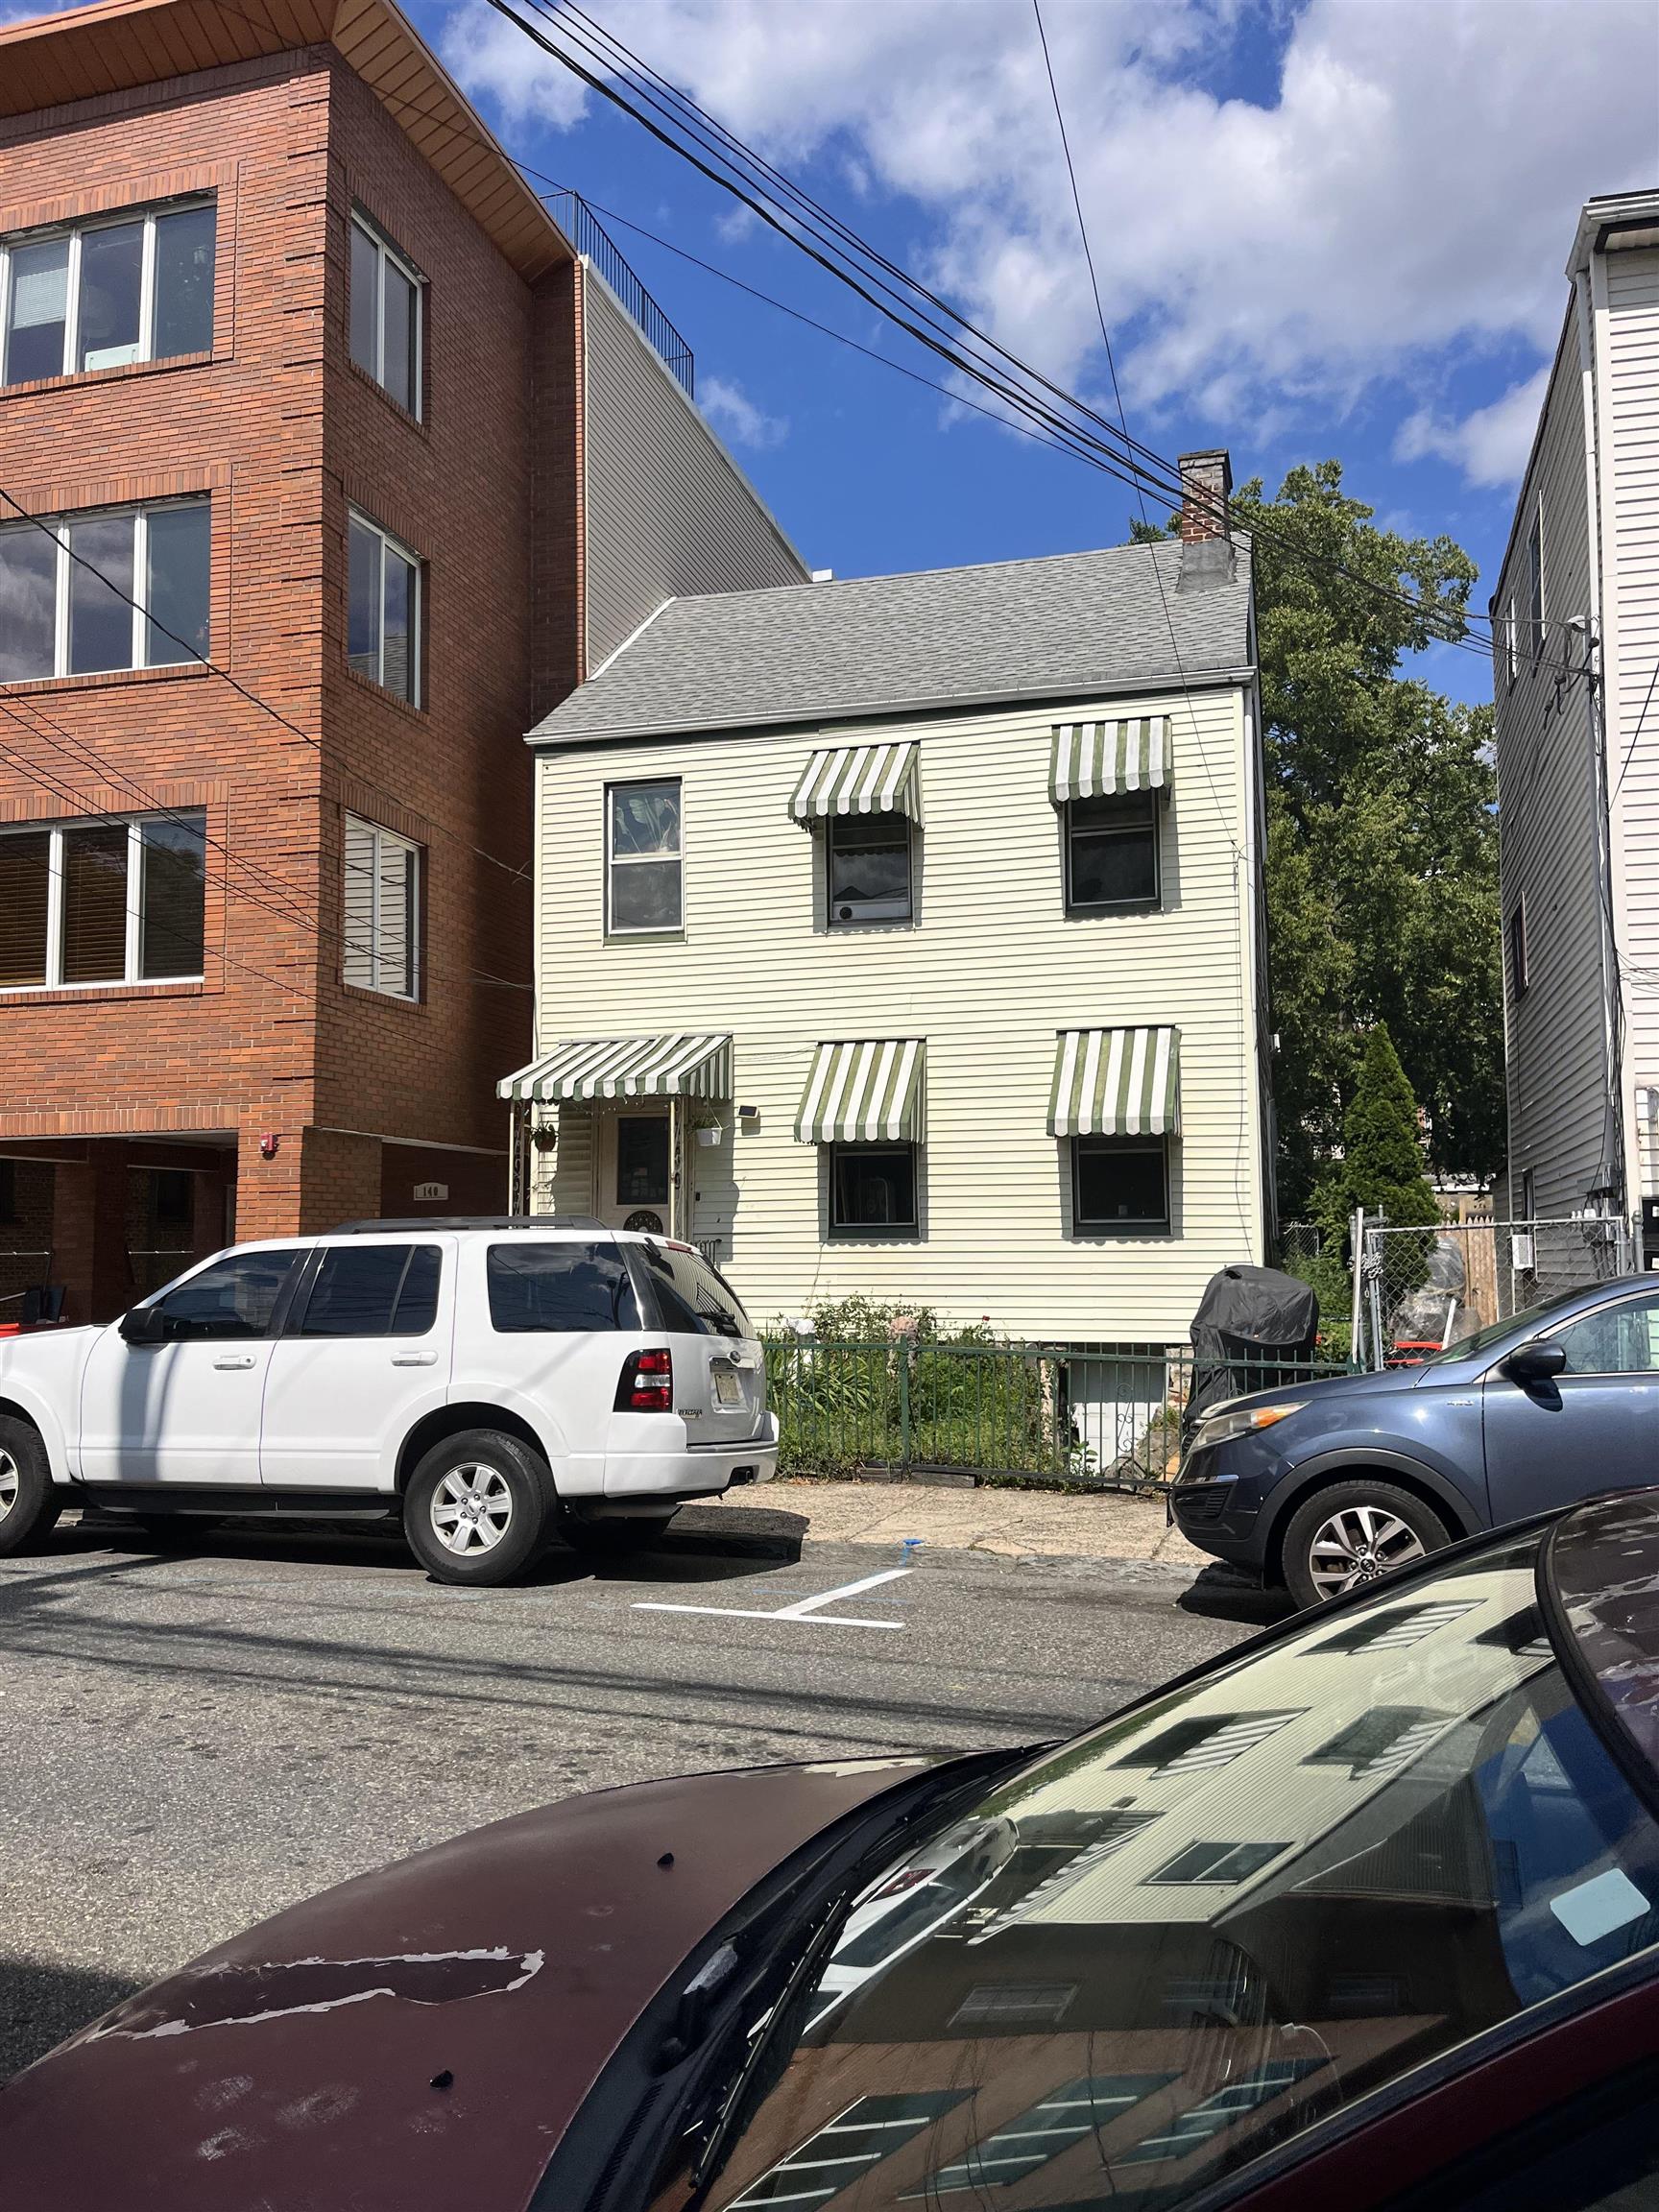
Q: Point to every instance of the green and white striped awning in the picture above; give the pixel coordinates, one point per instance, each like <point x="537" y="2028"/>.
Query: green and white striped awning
<point x="859" y="780"/>
<point x="1117" y="1083"/>
<point x="1092" y="760"/>
<point x="865" y="1093"/>
<point x="685" y="1066"/>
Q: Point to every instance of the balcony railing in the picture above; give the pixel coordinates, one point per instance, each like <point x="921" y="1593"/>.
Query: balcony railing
<point x="589" y="237"/>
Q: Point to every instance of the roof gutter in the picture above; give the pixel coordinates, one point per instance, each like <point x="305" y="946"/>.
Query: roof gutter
<point x="544" y="740"/>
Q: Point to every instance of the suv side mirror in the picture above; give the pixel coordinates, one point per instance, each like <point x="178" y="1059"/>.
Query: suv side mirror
<point x="144" y="1325"/>
<point x="1540" y="1361"/>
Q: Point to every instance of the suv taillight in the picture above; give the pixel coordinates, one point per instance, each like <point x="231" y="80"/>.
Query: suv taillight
<point x="647" y="1384"/>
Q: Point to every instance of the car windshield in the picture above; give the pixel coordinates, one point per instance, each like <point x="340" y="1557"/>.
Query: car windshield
<point x="1166" y="1948"/>
<point x="1523" y="1322"/>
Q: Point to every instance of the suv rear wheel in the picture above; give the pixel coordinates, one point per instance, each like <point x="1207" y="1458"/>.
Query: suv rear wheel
<point x="1353" y="1533"/>
<point x="29" y="1504"/>
<point x="478" y="1507"/>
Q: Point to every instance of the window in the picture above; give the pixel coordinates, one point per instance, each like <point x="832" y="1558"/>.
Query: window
<point x="1386" y="1737"/>
<point x="1190" y="2130"/>
<point x="235" y="1297"/>
<point x="1535" y="583"/>
<point x="693" y="1299"/>
<point x="1528" y="1194"/>
<point x="1069" y="2115"/>
<point x="386" y="316"/>
<point x="1119" y="1183"/>
<point x="1398" y="1628"/>
<point x="382" y="909"/>
<point x="868" y="859"/>
<point x="558" y="1289"/>
<point x="174" y="1198"/>
<point x="134" y="287"/>
<point x="374" y="1290"/>
<point x="1111" y="851"/>
<point x="114" y="589"/>
<point x="1223" y="1863"/>
<point x="103" y="903"/>
<point x="1209" y="1740"/>
<point x="642" y="1160"/>
<point x="1618" y="1340"/>
<point x="644" y="857"/>
<point x="1518" y="977"/>
<point x="383" y="613"/>
<point x="873" y="1189"/>
<point x="867" y="2132"/>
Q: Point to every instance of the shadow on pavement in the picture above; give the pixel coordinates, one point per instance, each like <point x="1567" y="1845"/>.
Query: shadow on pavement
<point x="40" y="2004"/>
<point x="1222" y="1594"/>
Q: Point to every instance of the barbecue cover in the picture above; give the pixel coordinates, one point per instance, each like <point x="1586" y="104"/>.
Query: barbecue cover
<point x="1252" y="1329"/>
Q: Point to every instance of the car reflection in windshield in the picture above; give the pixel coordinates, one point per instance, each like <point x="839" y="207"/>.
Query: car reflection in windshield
<point x="1156" y="1953"/>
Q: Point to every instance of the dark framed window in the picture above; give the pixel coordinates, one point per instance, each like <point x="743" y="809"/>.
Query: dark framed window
<point x="692" y="1298"/>
<point x="642" y="1167"/>
<point x="559" y="1287"/>
<point x="868" y="862"/>
<point x="1518" y="977"/>
<point x="374" y="1290"/>
<point x="873" y="1191"/>
<point x="1111" y="857"/>
<point x="1120" y="1183"/>
<point x="236" y="1296"/>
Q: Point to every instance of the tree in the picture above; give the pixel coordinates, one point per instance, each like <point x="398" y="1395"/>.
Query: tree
<point x="1381" y="862"/>
<point x="1381" y="1164"/>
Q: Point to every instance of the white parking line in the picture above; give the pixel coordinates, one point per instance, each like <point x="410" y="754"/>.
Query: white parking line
<point x="804" y="1608"/>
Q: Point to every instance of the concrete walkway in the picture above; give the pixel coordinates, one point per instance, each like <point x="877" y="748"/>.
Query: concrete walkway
<point x="1012" y="1523"/>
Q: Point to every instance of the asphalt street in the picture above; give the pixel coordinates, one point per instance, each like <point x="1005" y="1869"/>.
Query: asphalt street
<point x="198" y="1735"/>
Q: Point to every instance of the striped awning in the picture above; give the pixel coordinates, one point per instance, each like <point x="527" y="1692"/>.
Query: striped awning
<point x="864" y="1092"/>
<point x="859" y="780"/>
<point x="1092" y="760"/>
<point x="678" y="1066"/>
<point x="1117" y="1083"/>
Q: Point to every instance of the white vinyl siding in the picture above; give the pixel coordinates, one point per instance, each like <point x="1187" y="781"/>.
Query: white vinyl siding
<point x="669" y="511"/>
<point x="991" y="971"/>
<point x="382" y="911"/>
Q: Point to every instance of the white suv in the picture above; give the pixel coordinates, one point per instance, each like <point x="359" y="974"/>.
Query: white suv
<point x="495" y="1383"/>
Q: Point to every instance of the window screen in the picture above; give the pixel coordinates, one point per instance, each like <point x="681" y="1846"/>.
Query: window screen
<point x="560" y="1289"/>
<point x="374" y="1290"/>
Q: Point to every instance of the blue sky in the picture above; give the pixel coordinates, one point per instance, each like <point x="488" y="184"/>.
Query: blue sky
<point x="1333" y="228"/>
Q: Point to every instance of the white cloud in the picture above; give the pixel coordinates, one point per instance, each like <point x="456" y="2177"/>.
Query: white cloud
<point x="729" y="408"/>
<point x="1410" y="186"/>
<point x="1491" y="445"/>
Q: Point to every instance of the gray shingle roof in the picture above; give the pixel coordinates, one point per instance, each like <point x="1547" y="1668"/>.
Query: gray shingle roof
<point x="1071" y="625"/>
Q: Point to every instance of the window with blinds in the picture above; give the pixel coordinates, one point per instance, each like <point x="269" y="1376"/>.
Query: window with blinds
<point x="382" y="911"/>
<point x="102" y="901"/>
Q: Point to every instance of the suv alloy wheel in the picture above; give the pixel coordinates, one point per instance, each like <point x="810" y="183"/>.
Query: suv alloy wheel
<point x="29" y="1506"/>
<point x="1355" y="1532"/>
<point x="479" y="1508"/>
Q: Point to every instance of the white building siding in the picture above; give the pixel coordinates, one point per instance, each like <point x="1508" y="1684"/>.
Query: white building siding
<point x="669" y="511"/>
<point x="990" y="969"/>
<point x="1628" y="325"/>
<point x="1557" y="1031"/>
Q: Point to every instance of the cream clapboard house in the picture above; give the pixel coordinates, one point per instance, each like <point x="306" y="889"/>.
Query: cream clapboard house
<point x="1575" y="624"/>
<point x="903" y="937"/>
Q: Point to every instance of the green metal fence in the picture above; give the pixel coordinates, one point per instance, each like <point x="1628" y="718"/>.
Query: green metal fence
<point x="1101" y="1416"/>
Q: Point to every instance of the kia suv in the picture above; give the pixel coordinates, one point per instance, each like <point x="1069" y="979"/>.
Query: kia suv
<point x="494" y="1383"/>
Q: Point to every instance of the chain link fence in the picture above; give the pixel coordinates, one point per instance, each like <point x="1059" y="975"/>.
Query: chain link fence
<point x="1420" y="1290"/>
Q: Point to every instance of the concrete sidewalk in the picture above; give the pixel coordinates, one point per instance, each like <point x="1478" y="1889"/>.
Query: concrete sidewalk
<point x="1010" y="1524"/>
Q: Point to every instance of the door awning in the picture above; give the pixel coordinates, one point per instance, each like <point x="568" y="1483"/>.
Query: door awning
<point x="868" y="1092"/>
<point x="1117" y="1083"/>
<point x="859" y="780"/>
<point x="684" y="1066"/>
<point x="1092" y="759"/>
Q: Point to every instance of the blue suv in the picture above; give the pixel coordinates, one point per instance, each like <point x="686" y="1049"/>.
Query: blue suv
<point x="1321" y="1486"/>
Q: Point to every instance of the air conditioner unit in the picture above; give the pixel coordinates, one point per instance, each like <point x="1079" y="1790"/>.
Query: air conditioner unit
<point x="1523" y="1252"/>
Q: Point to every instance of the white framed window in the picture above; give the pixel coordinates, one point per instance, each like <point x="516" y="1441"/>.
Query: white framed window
<point x="383" y="608"/>
<point x="103" y="900"/>
<point x="388" y="314"/>
<point x="135" y="286"/>
<point x="382" y="911"/>
<point x="1113" y="851"/>
<point x="110" y="588"/>
<point x="644" y="859"/>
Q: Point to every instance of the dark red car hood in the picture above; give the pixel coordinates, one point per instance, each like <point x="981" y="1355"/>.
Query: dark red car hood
<point x="418" y="2040"/>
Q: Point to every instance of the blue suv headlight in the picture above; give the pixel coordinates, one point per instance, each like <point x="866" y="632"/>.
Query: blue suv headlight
<point x="1228" y="1422"/>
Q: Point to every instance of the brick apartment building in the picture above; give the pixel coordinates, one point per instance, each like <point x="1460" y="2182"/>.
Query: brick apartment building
<point x="339" y="466"/>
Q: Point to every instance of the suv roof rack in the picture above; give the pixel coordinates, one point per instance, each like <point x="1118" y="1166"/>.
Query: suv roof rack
<point x="468" y="1222"/>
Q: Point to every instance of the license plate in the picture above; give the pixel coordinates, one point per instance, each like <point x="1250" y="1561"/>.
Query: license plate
<point x="727" y="1391"/>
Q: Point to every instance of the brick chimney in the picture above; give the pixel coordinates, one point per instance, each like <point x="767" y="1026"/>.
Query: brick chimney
<point x="1206" y="528"/>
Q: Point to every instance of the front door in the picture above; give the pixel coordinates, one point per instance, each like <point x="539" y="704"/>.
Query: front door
<point x="634" y="1171"/>
<point x="366" y="1352"/>
<point x="188" y="1410"/>
<point x="1595" y="1428"/>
